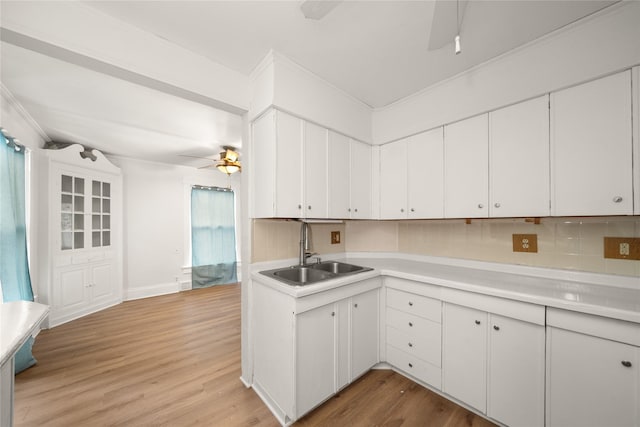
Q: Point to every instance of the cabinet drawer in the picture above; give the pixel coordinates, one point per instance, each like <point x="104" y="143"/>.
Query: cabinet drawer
<point x="415" y="367"/>
<point x="407" y="323"/>
<point x="426" y="346"/>
<point x="418" y="305"/>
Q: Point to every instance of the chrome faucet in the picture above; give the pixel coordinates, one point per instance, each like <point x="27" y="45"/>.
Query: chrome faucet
<point x="305" y="243"/>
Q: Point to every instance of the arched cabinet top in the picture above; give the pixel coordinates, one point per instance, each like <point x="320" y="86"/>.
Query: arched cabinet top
<point x="77" y="155"/>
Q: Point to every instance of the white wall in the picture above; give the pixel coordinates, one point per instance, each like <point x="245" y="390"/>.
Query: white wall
<point x="156" y="231"/>
<point x="21" y="126"/>
<point x="602" y="44"/>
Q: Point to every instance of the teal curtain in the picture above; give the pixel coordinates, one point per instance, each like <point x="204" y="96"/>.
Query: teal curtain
<point x="213" y="237"/>
<point x="14" y="265"/>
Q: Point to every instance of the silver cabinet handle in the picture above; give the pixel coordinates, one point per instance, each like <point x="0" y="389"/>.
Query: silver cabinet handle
<point x="496" y="327"/>
<point x="617" y="199"/>
<point x="626" y="363"/>
<point x="480" y="206"/>
<point x="497" y="205"/>
<point x="477" y="322"/>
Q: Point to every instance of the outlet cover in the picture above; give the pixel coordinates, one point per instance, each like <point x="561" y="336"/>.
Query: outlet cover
<point x="622" y="248"/>
<point x="525" y="243"/>
<point x="335" y="237"/>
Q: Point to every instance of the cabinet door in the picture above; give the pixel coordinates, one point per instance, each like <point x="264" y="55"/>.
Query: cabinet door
<point x="515" y="384"/>
<point x="588" y="382"/>
<point x="519" y="159"/>
<point x="592" y="148"/>
<point x="425" y="179"/>
<point x="263" y="150"/>
<point x="360" y="180"/>
<point x="315" y="368"/>
<point x="393" y="180"/>
<point x="466" y="168"/>
<point x="101" y="282"/>
<point x="364" y="332"/>
<point x="315" y="171"/>
<point x="464" y="355"/>
<point x="339" y="160"/>
<point x="288" y="166"/>
<point x="70" y="289"/>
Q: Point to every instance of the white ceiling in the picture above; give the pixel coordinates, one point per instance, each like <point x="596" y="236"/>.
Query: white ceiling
<point x="377" y="51"/>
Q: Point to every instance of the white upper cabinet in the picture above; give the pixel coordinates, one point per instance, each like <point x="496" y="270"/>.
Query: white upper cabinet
<point x="591" y="148"/>
<point x="315" y="171"/>
<point x="339" y="161"/>
<point x="393" y="180"/>
<point x="360" y="207"/>
<point x="466" y="168"/>
<point x="425" y="178"/>
<point x="414" y="190"/>
<point x="519" y="159"/>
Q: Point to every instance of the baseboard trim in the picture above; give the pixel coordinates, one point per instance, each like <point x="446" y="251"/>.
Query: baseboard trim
<point x="151" y="291"/>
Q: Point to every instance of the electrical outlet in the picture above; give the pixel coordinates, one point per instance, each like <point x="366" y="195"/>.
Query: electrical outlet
<point x="335" y="237"/>
<point x="622" y="248"/>
<point x="525" y="243"/>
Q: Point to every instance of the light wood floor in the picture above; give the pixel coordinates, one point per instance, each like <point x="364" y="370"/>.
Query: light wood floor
<point x="174" y="360"/>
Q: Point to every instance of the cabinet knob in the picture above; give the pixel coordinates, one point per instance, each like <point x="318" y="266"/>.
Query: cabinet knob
<point x="410" y="304"/>
<point x="413" y="210"/>
<point x="356" y="209"/>
<point x="309" y="207"/>
<point x="497" y="205"/>
<point x="480" y="206"/>
<point x="496" y="327"/>
<point x="410" y="365"/>
<point x="299" y="206"/>
<point x="355" y="305"/>
<point x="348" y="209"/>
<point x="401" y="209"/>
<point x="410" y="345"/>
<point x="626" y="363"/>
<point x="617" y="199"/>
<point x="410" y="324"/>
<point x="333" y="313"/>
<point x="477" y="322"/>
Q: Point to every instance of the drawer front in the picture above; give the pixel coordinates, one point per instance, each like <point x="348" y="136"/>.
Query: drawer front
<point x="415" y="367"/>
<point x="418" y="305"/>
<point x="426" y="346"/>
<point x="411" y="325"/>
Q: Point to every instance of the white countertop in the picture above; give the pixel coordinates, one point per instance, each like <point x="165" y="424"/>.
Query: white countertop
<point x="18" y="320"/>
<point x="618" y="302"/>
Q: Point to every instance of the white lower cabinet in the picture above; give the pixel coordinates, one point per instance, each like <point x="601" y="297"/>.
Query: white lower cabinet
<point x="307" y="349"/>
<point x="495" y="363"/>
<point x="593" y="371"/>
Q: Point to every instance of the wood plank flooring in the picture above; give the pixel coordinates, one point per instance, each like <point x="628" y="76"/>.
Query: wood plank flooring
<point x="174" y="360"/>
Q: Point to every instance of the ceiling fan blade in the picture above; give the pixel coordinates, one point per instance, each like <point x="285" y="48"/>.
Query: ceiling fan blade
<point x="195" y="157"/>
<point x="208" y="166"/>
<point x="443" y="24"/>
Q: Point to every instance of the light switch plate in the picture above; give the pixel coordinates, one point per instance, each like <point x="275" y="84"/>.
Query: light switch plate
<point x="525" y="243"/>
<point x="622" y="248"/>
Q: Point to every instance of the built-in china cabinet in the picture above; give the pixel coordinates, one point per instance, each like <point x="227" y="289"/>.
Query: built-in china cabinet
<point x="81" y="272"/>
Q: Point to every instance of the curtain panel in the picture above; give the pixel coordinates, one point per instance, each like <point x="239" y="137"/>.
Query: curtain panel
<point x="213" y="237"/>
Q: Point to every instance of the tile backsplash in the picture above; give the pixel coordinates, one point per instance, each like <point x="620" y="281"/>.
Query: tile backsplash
<point x="566" y="243"/>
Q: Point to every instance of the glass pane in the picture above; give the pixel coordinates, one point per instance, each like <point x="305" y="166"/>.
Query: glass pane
<point x="78" y="240"/>
<point x="79" y="185"/>
<point x="95" y="222"/>
<point x="106" y="238"/>
<point x="106" y="222"/>
<point x="66" y="184"/>
<point x="78" y="222"/>
<point x="95" y="202"/>
<point x="65" y="223"/>
<point x="96" y="188"/>
<point x="78" y="204"/>
<point x="106" y="205"/>
<point x="106" y="189"/>
<point x="66" y="241"/>
<point x="67" y="202"/>
<point x="95" y="239"/>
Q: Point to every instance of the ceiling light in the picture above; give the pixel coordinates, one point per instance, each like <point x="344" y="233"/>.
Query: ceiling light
<point x="229" y="162"/>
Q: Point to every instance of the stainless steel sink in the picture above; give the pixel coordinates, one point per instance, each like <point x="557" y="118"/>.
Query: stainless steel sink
<point x="299" y="275"/>
<point x="336" y="267"/>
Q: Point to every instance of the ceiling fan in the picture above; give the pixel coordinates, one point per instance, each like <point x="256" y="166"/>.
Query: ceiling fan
<point x="229" y="161"/>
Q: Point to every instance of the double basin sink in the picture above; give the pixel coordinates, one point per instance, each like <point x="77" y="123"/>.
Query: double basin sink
<point x="300" y="275"/>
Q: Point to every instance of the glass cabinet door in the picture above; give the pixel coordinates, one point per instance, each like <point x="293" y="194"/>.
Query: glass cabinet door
<point x="100" y="213"/>
<point x="72" y="195"/>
